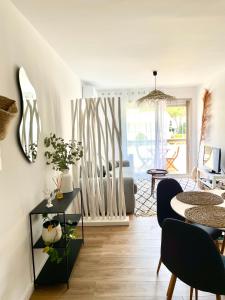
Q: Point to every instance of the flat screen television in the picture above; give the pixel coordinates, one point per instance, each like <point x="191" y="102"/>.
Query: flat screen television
<point x="212" y="159"/>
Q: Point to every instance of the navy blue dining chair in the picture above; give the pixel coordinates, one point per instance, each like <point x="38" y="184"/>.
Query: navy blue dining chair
<point x="181" y="253"/>
<point x="166" y="190"/>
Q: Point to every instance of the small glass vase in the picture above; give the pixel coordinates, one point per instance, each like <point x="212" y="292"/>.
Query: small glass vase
<point x="59" y="195"/>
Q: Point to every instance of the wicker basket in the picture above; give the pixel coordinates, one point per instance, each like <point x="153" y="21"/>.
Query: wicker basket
<point x="8" y="110"/>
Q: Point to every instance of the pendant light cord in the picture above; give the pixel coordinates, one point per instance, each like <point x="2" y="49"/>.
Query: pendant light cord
<point x="155" y="74"/>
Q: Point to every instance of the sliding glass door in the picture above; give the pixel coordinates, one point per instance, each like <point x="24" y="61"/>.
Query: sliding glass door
<point x="139" y="138"/>
<point x="156" y="138"/>
<point x="177" y="143"/>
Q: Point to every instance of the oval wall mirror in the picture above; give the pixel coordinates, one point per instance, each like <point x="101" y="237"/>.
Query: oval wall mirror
<point x="30" y="125"/>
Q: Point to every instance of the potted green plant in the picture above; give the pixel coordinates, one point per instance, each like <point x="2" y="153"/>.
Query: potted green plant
<point x="52" y="233"/>
<point x="61" y="155"/>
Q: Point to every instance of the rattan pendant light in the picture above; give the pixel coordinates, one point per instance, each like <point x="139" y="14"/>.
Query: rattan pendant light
<point x="155" y="95"/>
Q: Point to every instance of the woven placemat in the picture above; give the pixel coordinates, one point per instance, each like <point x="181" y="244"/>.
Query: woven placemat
<point x="213" y="216"/>
<point x="199" y="198"/>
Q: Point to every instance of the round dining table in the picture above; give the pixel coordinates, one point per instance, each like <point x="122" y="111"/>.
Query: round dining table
<point x="180" y="207"/>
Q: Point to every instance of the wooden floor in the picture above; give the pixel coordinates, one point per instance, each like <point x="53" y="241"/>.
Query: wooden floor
<point x="119" y="263"/>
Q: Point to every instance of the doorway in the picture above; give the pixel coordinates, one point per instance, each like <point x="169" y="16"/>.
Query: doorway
<point x="177" y="140"/>
<point x="140" y="132"/>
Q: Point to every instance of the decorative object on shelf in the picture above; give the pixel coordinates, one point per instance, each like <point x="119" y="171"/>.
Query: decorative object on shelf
<point x="8" y="110"/>
<point x="48" y="196"/>
<point x="155" y="95"/>
<point x="51" y="231"/>
<point x="66" y="181"/>
<point x="49" y="203"/>
<point x="58" y="192"/>
<point x="69" y="233"/>
<point x="30" y="124"/>
<point x="61" y="155"/>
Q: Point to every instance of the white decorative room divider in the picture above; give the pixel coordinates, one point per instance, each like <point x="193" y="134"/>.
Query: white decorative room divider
<point x="97" y="124"/>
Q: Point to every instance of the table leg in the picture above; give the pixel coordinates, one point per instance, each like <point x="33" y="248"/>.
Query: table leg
<point x="191" y="292"/>
<point x="153" y="186"/>
<point x="223" y="245"/>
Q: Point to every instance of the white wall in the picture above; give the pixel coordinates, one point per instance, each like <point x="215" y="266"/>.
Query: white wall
<point x="21" y="183"/>
<point x="216" y="127"/>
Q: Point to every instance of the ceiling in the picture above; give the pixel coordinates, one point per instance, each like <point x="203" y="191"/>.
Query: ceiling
<point x="117" y="43"/>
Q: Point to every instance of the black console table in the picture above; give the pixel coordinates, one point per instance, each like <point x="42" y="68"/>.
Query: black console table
<point x="52" y="272"/>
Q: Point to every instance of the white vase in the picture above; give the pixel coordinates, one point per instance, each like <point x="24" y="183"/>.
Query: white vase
<point x="66" y="182"/>
<point x="51" y="231"/>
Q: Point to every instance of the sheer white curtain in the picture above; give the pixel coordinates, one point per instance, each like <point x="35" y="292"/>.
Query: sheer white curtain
<point x="144" y="129"/>
<point x="160" y="134"/>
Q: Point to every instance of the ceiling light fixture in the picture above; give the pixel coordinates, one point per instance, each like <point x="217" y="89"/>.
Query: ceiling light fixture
<point x="155" y="95"/>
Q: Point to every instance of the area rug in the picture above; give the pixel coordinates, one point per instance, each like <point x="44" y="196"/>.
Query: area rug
<point x="146" y="205"/>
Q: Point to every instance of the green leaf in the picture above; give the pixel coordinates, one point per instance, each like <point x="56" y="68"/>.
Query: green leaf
<point x="62" y="154"/>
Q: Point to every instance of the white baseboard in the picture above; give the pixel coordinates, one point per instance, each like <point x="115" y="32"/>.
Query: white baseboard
<point x="30" y="288"/>
<point x="28" y="292"/>
<point x="114" y="221"/>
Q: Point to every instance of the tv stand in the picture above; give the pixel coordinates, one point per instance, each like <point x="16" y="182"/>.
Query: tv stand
<point x="210" y="180"/>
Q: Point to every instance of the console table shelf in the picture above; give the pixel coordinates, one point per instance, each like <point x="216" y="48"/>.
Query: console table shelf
<point x="59" y="206"/>
<point x="71" y="219"/>
<point x="53" y="272"/>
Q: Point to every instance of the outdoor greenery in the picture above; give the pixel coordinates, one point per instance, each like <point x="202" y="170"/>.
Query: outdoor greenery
<point x="61" y="154"/>
<point x="141" y="137"/>
<point x="176" y="111"/>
